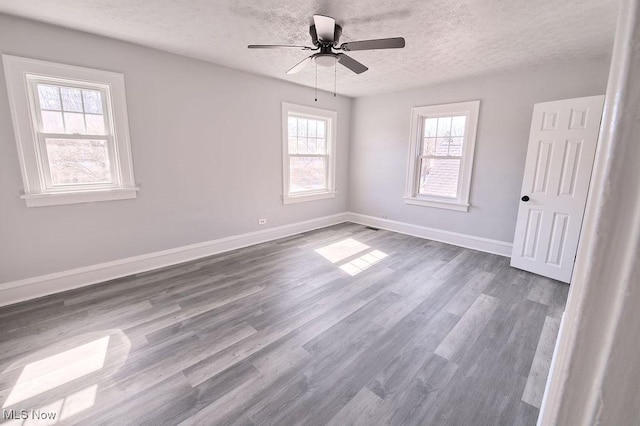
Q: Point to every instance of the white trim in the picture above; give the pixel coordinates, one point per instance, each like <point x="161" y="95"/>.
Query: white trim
<point x="595" y="375"/>
<point x="31" y="288"/>
<point x="552" y="369"/>
<point x="331" y="133"/>
<point x="470" y="109"/>
<point x="308" y="197"/>
<point x="430" y="202"/>
<point x="59" y="198"/>
<point x="20" y="73"/>
<point x="487" y="245"/>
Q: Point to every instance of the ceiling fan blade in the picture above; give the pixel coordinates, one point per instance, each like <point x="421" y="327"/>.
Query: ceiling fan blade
<point x="351" y="63"/>
<point x="382" y="43"/>
<point x="277" y="46"/>
<point x="300" y="65"/>
<point x="325" y="27"/>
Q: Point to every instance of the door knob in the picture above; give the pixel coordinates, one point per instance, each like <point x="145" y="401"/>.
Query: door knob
<point x="525" y="198"/>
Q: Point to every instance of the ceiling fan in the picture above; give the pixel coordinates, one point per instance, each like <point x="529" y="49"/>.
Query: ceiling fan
<point x="325" y="35"/>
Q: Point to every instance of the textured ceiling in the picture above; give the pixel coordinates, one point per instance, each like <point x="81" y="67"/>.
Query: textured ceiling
<point x="446" y="39"/>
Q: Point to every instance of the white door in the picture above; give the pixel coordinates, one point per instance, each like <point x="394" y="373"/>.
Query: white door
<point x="562" y="146"/>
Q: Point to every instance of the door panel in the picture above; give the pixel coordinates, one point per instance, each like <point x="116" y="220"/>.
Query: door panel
<point x="545" y="149"/>
<point x="572" y="152"/>
<point x="533" y="234"/>
<point x="560" y="155"/>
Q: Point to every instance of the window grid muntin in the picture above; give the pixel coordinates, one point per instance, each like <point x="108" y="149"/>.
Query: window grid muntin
<point x="307" y="118"/>
<point x="43" y="163"/>
<point x="326" y="155"/>
<point x="63" y="110"/>
<point x="421" y="157"/>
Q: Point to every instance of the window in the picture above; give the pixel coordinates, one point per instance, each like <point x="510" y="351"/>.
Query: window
<point x="308" y="147"/>
<point x="72" y="133"/>
<point x="441" y="155"/>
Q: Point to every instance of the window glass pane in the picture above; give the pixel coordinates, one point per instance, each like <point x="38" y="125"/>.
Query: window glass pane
<point x="74" y="162"/>
<point x="439" y="177"/>
<point x="74" y="122"/>
<point x="92" y="101"/>
<point x="320" y="129"/>
<point x="455" y="146"/>
<point x="430" y="126"/>
<point x="302" y="127"/>
<point x="442" y="146"/>
<point x="458" y="125"/>
<point x="317" y="146"/>
<point x="71" y="99"/>
<point x="444" y="126"/>
<point x="429" y="146"/>
<point x="293" y="145"/>
<point x="52" y="122"/>
<point x="307" y="174"/>
<point x="95" y="124"/>
<point x="293" y="126"/>
<point x="49" y="97"/>
<point x="312" y="128"/>
<point x="302" y="145"/>
<point x="311" y="145"/>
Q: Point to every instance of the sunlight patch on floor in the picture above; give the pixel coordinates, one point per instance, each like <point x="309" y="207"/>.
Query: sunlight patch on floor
<point x="347" y="248"/>
<point x="363" y="262"/>
<point x="341" y="250"/>
<point x="48" y="373"/>
<point x="57" y="411"/>
<point x="78" y="402"/>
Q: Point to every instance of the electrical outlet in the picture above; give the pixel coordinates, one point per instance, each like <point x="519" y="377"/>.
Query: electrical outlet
<point x="385" y="216"/>
<point x="262" y="221"/>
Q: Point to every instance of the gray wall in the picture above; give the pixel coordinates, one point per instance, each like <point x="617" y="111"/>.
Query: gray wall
<point x="206" y="146"/>
<point x="380" y="138"/>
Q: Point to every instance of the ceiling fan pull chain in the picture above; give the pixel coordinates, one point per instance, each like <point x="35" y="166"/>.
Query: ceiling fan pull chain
<point x="316" y="83"/>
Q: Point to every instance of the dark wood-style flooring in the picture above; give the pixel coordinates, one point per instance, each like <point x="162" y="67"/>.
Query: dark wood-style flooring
<point x="344" y="325"/>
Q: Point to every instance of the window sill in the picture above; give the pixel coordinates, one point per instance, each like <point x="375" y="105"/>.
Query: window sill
<point x="461" y="207"/>
<point x="59" y="198"/>
<point x="308" y="197"/>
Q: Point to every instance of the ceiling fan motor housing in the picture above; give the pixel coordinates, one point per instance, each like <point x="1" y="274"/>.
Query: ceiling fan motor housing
<point x="321" y="43"/>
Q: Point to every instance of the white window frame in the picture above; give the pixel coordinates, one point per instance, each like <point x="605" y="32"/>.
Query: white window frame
<point x="331" y="118"/>
<point x="469" y="109"/>
<point x="22" y="74"/>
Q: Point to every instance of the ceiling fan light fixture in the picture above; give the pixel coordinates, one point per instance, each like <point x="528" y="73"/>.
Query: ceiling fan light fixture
<point x="327" y="60"/>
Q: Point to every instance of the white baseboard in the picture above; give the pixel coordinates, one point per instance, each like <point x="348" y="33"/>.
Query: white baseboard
<point x="501" y="248"/>
<point x="31" y="288"/>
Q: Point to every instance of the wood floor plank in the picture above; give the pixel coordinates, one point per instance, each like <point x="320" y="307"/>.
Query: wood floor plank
<point x="415" y="400"/>
<point x="359" y="411"/>
<point x="542" y="291"/>
<point x="468" y="328"/>
<point x="463" y="300"/>
<point x="396" y="376"/>
<point x="537" y="378"/>
<point x="302" y="330"/>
